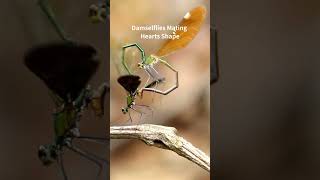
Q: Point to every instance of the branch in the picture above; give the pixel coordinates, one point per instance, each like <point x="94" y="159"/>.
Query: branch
<point x="162" y="137"/>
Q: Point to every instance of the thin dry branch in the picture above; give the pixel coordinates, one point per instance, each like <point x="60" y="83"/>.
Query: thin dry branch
<point x="162" y="137"/>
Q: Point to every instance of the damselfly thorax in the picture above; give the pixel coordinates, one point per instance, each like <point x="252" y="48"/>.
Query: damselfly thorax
<point x="152" y="60"/>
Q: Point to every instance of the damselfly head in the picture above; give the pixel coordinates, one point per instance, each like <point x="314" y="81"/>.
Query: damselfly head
<point x="64" y="67"/>
<point x="140" y="65"/>
<point x="124" y="110"/>
<point x="47" y="154"/>
<point x="98" y="13"/>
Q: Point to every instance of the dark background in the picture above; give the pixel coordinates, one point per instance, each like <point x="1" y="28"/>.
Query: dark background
<point x="25" y="108"/>
<point x="266" y="103"/>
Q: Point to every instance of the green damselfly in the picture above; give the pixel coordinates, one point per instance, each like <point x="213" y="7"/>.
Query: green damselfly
<point x="66" y="67"/>
<point x="193" y="21"/>
<point x="131" y="84"/>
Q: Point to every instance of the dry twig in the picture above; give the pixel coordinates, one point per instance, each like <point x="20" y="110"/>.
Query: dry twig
<point x="162" y="137"/>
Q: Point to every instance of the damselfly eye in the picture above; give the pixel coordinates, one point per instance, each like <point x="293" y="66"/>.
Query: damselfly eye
<point x="93" y="9"/>
<point x="97" y="13"/>
<point x="42" y="152"/>
<point x="46" y="155"/>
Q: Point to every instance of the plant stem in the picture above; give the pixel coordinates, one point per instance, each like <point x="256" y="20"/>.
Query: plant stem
<point x="44" y="5"/>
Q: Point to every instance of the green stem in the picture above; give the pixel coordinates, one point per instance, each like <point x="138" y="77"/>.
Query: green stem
<point x="44" y="5"/>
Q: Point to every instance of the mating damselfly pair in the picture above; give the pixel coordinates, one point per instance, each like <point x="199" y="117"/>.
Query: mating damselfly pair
<point x="181" y="66"/>
<point x="67" y="66"/>
<point x="192" y="22"/>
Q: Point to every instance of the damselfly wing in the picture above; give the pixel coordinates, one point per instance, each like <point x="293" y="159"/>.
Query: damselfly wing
<point x="193" y="21"/>
<point x="130" y="82"/>
<point x="64" y="67"/>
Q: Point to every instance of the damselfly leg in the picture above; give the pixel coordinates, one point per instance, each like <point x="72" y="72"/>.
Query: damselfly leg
<point x="89" y="156"/>
<point x="61" y="166"/>
<point x="99" y="140"/>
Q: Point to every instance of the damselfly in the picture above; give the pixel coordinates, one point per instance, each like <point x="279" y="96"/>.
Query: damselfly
<point x="66" y="68"/>
<point x="193" y="21"/>
<point x="131" y="84"/>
